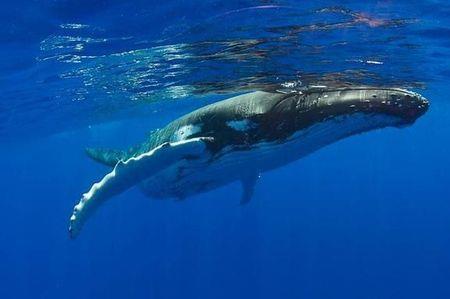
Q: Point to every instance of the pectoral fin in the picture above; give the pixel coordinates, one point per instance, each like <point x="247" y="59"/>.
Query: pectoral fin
<point x="132" y="171"/>
<point x="248" y="188"/>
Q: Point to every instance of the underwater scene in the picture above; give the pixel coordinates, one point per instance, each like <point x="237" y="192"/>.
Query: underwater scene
<point x="225" y="149"/>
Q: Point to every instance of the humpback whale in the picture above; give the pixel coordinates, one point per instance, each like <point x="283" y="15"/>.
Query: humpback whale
<point x="239" y="138"/>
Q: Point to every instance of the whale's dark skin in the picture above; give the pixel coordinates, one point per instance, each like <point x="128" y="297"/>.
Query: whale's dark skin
<point x="241" y="137"/>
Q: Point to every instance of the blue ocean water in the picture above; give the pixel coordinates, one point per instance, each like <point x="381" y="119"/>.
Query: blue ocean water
<point x="367" y="217"/>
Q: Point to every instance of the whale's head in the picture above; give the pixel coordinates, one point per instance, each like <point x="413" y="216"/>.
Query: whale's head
<point x="406" y="105"/>
<point x="341" y="112"/>
<point x="403" y="107"/>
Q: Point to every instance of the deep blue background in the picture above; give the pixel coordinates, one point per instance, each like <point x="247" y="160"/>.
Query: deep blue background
<point x="367" y="217"/>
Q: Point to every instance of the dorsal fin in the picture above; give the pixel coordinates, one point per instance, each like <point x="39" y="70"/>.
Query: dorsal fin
<point x="107" y="157"/>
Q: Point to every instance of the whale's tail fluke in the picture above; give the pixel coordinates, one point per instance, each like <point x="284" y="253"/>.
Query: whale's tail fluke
<point x="109" y="157"/>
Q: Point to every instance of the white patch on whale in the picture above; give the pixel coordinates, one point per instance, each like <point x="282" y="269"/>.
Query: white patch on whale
<point x="240" y="125"/>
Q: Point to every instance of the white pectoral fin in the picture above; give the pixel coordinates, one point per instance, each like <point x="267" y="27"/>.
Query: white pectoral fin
<point x="248" y="188"/>
<point x="128" y="173"/>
